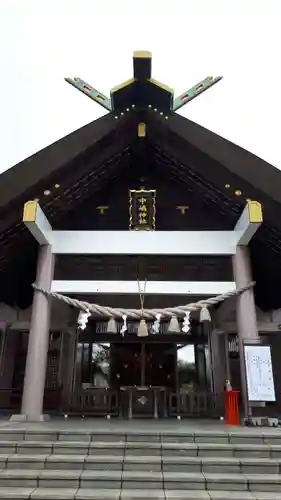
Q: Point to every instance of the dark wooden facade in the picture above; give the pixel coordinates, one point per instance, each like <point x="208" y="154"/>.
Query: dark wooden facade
<point x="202" y="182"/>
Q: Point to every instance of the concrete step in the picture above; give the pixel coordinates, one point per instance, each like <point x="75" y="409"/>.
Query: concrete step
<point x="120" y="448"/>
<point x="138" y="480"/>
<point x="105" y="494"/>
<point x="239" y="436"/>
<point x="139" y="463"/>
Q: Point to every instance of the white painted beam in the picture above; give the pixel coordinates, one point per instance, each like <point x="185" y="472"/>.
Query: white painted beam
<point x="144" y="242"/>
<point x="37" y="223"/>
<point x="152" y="287"/>
<point x="249" y="222"/>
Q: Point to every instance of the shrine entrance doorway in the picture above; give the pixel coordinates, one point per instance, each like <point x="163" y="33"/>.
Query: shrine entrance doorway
<point x="142" y="377"/>
<point x="143" y="364"/>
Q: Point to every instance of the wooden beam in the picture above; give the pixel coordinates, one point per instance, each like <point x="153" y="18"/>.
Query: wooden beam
<point x="90" y="92"/>
<point x="249" y="222"/>
<point x="194" y="288"/>
<point x="36" y="221"/>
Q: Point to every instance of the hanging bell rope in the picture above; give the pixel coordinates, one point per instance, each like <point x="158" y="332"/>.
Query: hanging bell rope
<point x="142" y="329"/>
<point x="98" y="311"/>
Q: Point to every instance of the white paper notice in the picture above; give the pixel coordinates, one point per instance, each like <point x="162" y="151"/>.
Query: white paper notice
<point x="259" y="373"/>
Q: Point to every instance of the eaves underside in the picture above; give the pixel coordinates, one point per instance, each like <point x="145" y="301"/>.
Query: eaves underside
<point x="112" y="153"/>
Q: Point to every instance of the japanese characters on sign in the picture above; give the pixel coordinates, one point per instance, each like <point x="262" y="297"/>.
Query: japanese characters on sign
<point x="142" y="209"/>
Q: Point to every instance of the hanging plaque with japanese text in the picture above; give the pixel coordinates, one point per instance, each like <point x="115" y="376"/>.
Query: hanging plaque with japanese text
<point x="142" y="209"/>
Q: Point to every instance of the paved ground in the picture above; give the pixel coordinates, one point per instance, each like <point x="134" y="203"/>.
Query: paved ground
<point x="136" y="425"/>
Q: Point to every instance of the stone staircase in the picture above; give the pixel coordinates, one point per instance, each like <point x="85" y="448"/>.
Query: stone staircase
<point x="43" y="465"/>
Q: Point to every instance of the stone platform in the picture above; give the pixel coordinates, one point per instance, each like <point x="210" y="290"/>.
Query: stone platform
<point x="122" y="460"/>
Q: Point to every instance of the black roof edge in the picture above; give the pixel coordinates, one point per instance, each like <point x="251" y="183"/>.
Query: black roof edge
<point x="19" y="178"/>
<point x="248" y="166"/>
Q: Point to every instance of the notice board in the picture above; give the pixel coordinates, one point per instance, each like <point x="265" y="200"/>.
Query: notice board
<point x="259" y="373"/>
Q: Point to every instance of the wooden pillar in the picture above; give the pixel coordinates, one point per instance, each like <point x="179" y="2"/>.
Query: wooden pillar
<point x="38" y="342"/>
<point x="245" y="313"/>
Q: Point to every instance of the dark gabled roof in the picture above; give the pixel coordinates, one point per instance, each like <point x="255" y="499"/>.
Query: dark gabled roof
<point x="228" y="164"/>
<point x="49" y="160"/>
<point x="257" y="172"/>
<point x="82" y="162"/>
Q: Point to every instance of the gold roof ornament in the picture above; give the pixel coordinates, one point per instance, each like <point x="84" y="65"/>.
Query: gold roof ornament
<point x="182" y="208"/>
<point x="102" y="209"/>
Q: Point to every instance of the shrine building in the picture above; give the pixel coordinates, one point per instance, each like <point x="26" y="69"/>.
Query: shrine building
<point x="138" y="214"/>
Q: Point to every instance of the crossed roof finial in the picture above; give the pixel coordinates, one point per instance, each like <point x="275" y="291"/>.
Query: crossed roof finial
<point x="142" y="90"/>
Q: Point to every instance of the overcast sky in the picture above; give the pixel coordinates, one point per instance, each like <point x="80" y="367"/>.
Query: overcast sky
<point x="42" y="41"/>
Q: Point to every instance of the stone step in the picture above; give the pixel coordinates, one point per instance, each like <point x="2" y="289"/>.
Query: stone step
<point x="117" y="494"/>
<point x="140" y="449"/>
<point x="247" y="436"/>
<point x="145" y="463"/>
<point x="138" y="480"/>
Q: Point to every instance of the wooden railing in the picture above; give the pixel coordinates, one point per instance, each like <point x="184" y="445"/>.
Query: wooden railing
<point x="96" y="401"/>
<point x="133" y="402"/>
<point x="150" y="402"/>
<point x="195" y="404"/>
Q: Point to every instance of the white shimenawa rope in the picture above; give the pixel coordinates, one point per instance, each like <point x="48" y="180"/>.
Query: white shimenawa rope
<point x="148" y="314"/>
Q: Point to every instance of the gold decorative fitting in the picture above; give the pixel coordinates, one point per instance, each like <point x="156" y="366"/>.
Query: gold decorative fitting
<point x="133" y="105"/>
<point x="57" y="186"/>
<point x="116" y="117"/>
<point x="227" y="186"/>
<point x="155" y="109"/>
<point x="102" y="209"/>
<point x="161" y="85"/>
<point x="150" y="105"/>
<point x="47" y="192"/>
<point x="182" y="209"/>
<point x="238" y="192"/>
<point x="255" y="212"/>
<point x="166" y="117"/>
<point x="141" y="130"/>
<point x="29" y="211"/>
<point x="161" y="113"/>
<point x="142" y="54"/>
<point x="122" y="85"/>
<point x="127" y="109"/>
<point x="122" y="114"/>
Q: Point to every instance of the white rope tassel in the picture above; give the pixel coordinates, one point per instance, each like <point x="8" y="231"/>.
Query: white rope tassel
<point x="186" y="322"/>
<point x="82" y="320"/>
<point x="124" y="327"/>
<point x="174" y="324"/>
<point x="205" y="314"/>
<point x="112" y="325"/>
<point x="156" y="324"/>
